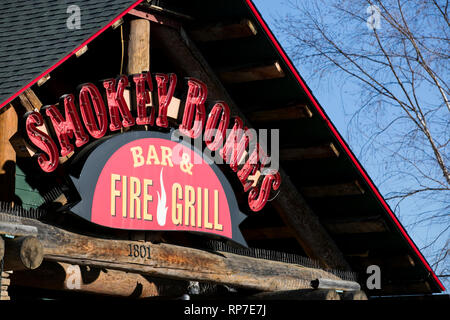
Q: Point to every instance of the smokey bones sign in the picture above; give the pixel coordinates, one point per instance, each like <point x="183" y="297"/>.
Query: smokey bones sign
<point x="122" y="169"/>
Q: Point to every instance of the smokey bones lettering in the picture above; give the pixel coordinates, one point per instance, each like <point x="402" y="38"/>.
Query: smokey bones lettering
<point x="95" y="123"/>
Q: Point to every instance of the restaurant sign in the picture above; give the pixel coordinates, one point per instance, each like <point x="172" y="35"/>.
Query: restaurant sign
<point x="144" y="180"/>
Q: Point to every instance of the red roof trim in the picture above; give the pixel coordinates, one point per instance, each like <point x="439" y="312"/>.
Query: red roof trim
<point x="344" y="145"/>
<point x="69" y="55"/>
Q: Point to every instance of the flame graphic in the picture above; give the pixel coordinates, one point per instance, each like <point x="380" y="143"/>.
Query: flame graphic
<point x="161" y="209"/>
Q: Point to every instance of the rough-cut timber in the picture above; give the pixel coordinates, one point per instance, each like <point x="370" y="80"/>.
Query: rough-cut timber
<point x="174" y="262"/>
<point x="23" y="253"/>
<point x="15" y="229"/>
<point x="309" y="232"/>
<point x="63" y="276"/>
<point x="335" y="284"/>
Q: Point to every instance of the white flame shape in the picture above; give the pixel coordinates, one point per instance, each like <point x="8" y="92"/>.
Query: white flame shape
<point x="161" y="209"/>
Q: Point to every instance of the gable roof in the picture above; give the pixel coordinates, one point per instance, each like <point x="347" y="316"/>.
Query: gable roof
<point x="35" y="38"/>
<point x="28" y="52"/>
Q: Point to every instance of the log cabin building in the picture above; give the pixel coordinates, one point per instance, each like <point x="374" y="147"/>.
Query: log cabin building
<point x="99" y="198"/>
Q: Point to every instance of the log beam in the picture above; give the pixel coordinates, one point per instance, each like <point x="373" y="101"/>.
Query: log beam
<point x="335" y="285"/>
<point x="289" y="203"/>
<point x="23" y="253"/>
<point x="63" y="276"/>
<point x="139" y="46"/>
<point x="174" y="262"/>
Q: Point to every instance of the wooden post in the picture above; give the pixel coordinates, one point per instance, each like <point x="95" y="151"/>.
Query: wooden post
<point x="139" y="46"/>
<point x="8" y="127"/>
<point x="23" y="253"/>
<point x="62" y="276"/>
<point x="138" y="62"/>
<point x="335" y="284"/>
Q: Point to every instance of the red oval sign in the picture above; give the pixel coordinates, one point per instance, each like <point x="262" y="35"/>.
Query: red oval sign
<point x="154" y="183"/>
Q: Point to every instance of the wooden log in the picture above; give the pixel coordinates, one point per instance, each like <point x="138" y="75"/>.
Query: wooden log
<point x="8" y="127"/>
<point x="15" y="229"/>
<point x="63" y="276"/>
<point x="289" y="203"/>
<point x="30" y="101"/>
<point x="43" y="80"/>
<point x="354" y="295"/>
<point x="335" y="284"/>
<point x="308" y="294"/>
<point x="82" y="51"/>
<point x="139" y="46"/>
<point x="174" y="262"/>
<point x="271" y="71"/>
<point x="324" y="151"/>
<point x="23" y="253"/>
<point x="296" y="112"/>
<point x="355" y="225"/>
<point x="334" y="190"/>
<point x="215" y="32"/>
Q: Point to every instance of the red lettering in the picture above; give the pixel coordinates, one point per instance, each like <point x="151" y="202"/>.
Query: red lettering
<point x="48" y="161"/>
<point x="250" y="167"/>
<point x="218" y="109"/>
<point x="195" y="103"/>
<point x="164" y="96"/>
<point x="67" y="128"/>
<point x="144" y="84"/>
<point x="117" y="103"/>
<point x="235" y="145"/>
<point x="90" y="90"/>
<point x="257" y="198"/>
